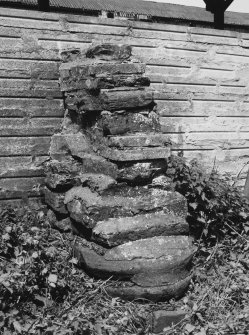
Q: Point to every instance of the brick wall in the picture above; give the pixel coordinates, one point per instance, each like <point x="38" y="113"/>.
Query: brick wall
<point x="200" y="78"/>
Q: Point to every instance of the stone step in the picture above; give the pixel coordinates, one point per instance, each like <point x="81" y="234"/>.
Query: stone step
<point x="162" y="254"/>
<point x="87" y="207"/>
<point x="117" y="231"/>
<point x="129" y="291"/>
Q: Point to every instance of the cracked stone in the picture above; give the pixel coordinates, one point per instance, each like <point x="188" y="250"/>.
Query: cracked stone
<point x="117" y="231"/>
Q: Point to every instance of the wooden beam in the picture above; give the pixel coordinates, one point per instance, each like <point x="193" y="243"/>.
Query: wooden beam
<point x="227" y="4"/>
<point x="219" y="18"/>
<point x="218" y="8"/>
<point x="43" y="5"/>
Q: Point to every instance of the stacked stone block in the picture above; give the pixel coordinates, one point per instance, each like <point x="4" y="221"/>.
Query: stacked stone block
<point x="101" y="173"/>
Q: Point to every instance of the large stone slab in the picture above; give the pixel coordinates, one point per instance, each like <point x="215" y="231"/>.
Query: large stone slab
<point x="83" y="100"/>
<point x="128" y="291"/>
<point x="138" y="154"/>
<point x="123" y="123"/>
<point x="140" y="172"/>
<point x="94" y="85"/>
<point x="162" y="254"/>
<point x="118" y="99"/>
<point x="117" y="231"/>
<point x="85" y="69"/>
<point x="139" y="140"/>
<point x="62" y="175"/>
<point x="76" y="145"/>
<point x="110" y="52"/>
<point x="87" y="207"/>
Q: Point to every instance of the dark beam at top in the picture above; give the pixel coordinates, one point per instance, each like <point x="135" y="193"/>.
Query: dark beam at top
<point x="43" y="5"/>
<point x="218" y="8"/>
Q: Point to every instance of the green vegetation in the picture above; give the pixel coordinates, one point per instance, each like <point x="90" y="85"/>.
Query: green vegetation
<point x="43" y="292"/>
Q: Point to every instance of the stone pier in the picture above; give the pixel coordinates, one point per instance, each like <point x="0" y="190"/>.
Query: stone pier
<point x="101" y="179"/>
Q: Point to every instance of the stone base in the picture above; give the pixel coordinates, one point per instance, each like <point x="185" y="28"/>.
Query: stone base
<point x="129" y="291"/>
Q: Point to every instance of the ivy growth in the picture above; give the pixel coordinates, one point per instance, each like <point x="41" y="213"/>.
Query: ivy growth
<point x="215" y="206"/>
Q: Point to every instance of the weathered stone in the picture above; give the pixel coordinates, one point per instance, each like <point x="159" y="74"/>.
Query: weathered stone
<point x="110" y="100"/>
<point x="97" y="182"/>
<point x="97" y="164"/>
<point x="68" y="173"/>
<point x="162" y="319"/>
<point x="63" y="225"/>
<point x="94" y="85"/>
<point x="63" y="145"/>
<point x="85" y="68"/>
<point x="121" y="230"/>
<point x="139" y="140"/>
<point x="118" y="99"/>
<point x="88" y="208"/>
<point x="163" y="182"/>
<point x="70" y="55"/>
<point x="83" y="101"/>
<point x="55" y="201"/>
<point x="158" y="254"/>
<point x="128" y="291"/>
<point x="136" y="154"/>
<point x="110" y="52"/>
<point x="141" y="171"/>
<point x="118" y="124"/>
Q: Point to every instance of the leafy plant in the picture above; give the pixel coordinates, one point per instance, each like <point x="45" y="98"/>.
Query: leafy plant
<point x="215" y="206"/>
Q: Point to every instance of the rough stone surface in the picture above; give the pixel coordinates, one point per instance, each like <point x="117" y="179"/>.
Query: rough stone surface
<point x="138" y="140"/>
<point x="137" y="172"/>
<point x="94" y="85"/>
<point x="162" y="319"/>
<point x="110" y="100"/>
<point x="173" y="254"/>
<point x="63" y="225"/>
<point x="107" y="173"/>
<point x="88" y="208"/>
<point x="118" y="99"/>
<point x="135" y="154"/>
<point x="55" y="201"/>
<point x="88" y="69"/>
<point x="68" y="173"/>
<point x="97" y="182"/>
<point x="128" y="291"/>
<point x="116" y="231"/>
<point x="110" y="52"/>
<point x="122" y="123"/>
<point x="63" y="145"/>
